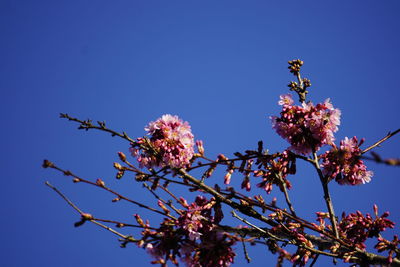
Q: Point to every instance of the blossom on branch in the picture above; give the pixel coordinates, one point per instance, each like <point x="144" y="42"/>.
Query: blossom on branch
<point x="193" y="237"/>
<point x="170" y="144"/>
<point x="343" y="163"/>
<point x="306" y="127"/>
<point x="276" y="172"/>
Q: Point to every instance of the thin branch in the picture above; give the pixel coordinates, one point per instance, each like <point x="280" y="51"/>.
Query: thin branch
<point x="388" y="161"/>
<point x="256" y="227"/>
<point x="314" y="260"/>
<point x="64" y="197"/>
<point x="327" y="196"/>
<point x="87" y="216"/>
<point x="86" y="125"/>
<point x="245" y="252"/>
<point x="285" y="192"/>
<point x="48" y="164"/>
<point x="122" y="224"/>
<point x="381" y="141"/>
<point x="162" y="200"/>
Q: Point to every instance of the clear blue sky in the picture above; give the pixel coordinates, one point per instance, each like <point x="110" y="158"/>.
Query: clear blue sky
<point x="221" y="65"/>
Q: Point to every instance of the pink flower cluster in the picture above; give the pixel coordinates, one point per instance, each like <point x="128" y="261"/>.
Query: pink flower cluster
<point x="170" y="144"/>
<point x="358" y="227"/>
<point x="344" y="164"/>
<point x="306" y="127"/>
<point x="277" y="170"/>
<point x="193" y="237"/>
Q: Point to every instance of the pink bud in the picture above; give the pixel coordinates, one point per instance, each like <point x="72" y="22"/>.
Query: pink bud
<point x="376" y="210"/>
<point x="200" y="147"/>
<point x="184" y="202"/>
<point x="228" y="175"/>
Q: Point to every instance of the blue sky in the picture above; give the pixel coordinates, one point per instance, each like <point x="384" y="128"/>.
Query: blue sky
<point x="221" y="65"/>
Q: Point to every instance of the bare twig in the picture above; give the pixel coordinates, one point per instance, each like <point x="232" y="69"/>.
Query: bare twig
<point x="314" y="260"/>
<point x="327" y="196"/>
<point x="285" y="192"/>
<point x="79" y="179"/>
<point x="267" y="233"/>
<point x="86" y="125"/>
<point x="380" y="141"/>
<point x="89" y="217"/>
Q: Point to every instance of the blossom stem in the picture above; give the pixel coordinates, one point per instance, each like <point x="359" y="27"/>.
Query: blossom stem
<point x="327" y="196"/>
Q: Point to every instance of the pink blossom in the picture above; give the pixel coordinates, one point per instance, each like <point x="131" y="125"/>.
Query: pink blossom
<point x="306" y="127"/>
<point x="170" y="144"/>
<point x="344" y="163"/>
<point x="192" y="237"/>
<point x="286" y="100"/>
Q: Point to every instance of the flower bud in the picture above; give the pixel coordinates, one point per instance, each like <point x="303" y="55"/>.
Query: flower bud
<point x="118" y="166"/>
<point x="47" y="164"/>
<point x="376" y="210"/>
<point x="200" y="147"/>
<point x="100" y="182"/>
<point x="116" y="199"/>
<point x="122" y="156"/>
<point x="87" y="216"/>
<point x="228" y="175"/>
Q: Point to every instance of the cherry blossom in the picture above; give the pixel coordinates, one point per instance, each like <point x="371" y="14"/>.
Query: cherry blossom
<point x="306" y="127"/>
<point x="343" y="163"/>
<point x="170" y="144"/>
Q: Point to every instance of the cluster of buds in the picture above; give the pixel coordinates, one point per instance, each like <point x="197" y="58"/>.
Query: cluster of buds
<point x="357" y="227"/>
<point x="321" y="216"/>
<point x="170" y="144"/>
<point x="306" y="127"/>
<point x="391" y="246"/>
<point x="295" y="65"/>
<point x="343" y="163"/>
<point x="276" y="172"/>
<point x="193" y="237"/>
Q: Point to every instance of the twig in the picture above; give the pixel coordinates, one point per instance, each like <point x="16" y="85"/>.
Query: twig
<point x="86" y="125"/>
<point x="246" y="254"/>
<point x="388" y="161"/>
<point x="122" y="224"/>
<point x="89" y="217"/>
<point x="314" y="260"/>
<point x="160" y="199"/>
<point x="48" y="164"/>
<point x="256" y="227"/>
<point x="380" y="141"/>
<point x="64" y="197"/>
<point x="327" y="196"/>
<point x="285" y="192"/>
